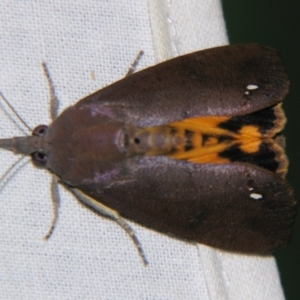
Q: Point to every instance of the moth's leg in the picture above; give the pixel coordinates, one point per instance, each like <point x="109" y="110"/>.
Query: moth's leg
<point x="56" y="203"/>
<point x="104" y="210"/>
<point x="134" y="64"/>
<point x="54" y="102"/>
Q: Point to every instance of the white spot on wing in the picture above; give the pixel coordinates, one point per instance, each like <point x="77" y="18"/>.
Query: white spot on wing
<point x="256" y="196"/>
<point x="252" y="87"/>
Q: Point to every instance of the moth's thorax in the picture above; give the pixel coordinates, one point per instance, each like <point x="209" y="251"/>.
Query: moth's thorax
<point x="78" y="139"/>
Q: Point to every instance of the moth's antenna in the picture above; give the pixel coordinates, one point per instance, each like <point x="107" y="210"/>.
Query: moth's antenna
<point x="9" y="174"/>
<point x="15" y="112"/>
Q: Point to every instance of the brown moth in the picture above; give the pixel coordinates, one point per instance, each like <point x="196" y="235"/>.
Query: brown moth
<point x="190" y="147"/>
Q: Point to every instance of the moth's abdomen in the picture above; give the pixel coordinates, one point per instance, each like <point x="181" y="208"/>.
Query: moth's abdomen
<point x="217" y="139"/>
<point x="180" y="139"/>
<point x="156" y="140"/>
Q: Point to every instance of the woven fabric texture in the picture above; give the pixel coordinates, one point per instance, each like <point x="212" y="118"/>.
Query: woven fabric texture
<point x="87" y="45"/>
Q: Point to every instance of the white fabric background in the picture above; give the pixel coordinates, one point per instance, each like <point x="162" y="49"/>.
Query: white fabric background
<point x="87" y="45"/>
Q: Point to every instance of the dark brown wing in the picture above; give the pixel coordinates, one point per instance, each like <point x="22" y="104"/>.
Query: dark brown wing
<point x="217" y="81"/>
<point x="236" y="207"/>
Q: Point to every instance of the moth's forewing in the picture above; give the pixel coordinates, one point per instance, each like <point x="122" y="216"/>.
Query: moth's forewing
<point x="236" y="206"/>
<point x="204" y="83"/>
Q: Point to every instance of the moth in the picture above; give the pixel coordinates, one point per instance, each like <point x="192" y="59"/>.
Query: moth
<point x="190" y="147"/>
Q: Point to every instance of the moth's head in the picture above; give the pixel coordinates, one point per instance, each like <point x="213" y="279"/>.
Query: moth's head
<point x="39" y="157"/>
<point x="34" y="145"/>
